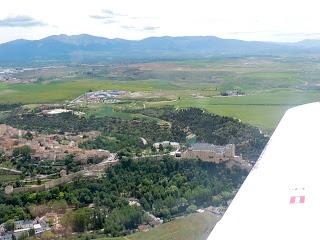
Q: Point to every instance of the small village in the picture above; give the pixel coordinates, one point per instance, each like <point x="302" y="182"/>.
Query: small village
<point x="23" y="228"/>
<point x="53" y="147"/>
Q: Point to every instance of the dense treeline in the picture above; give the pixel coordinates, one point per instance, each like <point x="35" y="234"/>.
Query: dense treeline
<point x="9" y="106"/>
<point x="120" y="134"/>
<point x="214" y="129"/>
<point x="121" y="220"/>
<point x="68" y="122"/>
<point x="115" y="143"/>
<point x="166" y="188"/>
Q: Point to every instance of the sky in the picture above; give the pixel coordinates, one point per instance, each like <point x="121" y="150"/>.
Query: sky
<point x="267" y="20"/>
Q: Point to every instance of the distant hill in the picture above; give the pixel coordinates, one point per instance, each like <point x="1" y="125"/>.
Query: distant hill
<point x="308" y="44"/>
<point x="86" y="48"/>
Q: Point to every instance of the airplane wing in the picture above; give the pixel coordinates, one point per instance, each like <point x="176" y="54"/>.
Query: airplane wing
<point x="280" y="198"/>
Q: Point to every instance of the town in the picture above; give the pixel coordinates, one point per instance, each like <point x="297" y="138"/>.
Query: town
<point x="53" y="147"/>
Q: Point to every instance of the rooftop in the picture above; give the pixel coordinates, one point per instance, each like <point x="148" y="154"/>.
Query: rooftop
<point x="207" y="147"/>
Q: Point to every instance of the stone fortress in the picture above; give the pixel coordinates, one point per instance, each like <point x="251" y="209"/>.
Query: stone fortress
<point x="211" y="153"/>
<point x="216" y="154"/>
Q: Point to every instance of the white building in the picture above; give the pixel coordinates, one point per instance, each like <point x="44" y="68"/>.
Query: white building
<point x="165" y="144"/>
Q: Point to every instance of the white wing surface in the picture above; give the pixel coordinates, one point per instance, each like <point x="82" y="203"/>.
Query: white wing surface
<point x="280" y="199"/>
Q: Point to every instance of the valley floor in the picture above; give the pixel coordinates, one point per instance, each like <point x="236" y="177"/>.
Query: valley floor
<point x="270" y="85"/>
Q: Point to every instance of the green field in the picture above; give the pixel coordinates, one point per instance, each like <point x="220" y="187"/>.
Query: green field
<point x="263" y="110"/>
<point x="60" y="91"/>
<point x="192" y="227"/>
<point x="271" y="85"/>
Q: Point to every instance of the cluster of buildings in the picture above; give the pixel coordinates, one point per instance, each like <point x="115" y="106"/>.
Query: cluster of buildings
<point x="213" y="153"/>
<point x="99" y="96"/>
<point x="233" y="93"/>
<point x="8" y="75"/>
<point x="24" y="228"/>
<point x="166" y="144"/>
<point x="50" y="147"/>
<point x="206" y="152"/>
<point x="217" y="211"/>
<point x="152" y="220"/>
<point x="216" y="154"/>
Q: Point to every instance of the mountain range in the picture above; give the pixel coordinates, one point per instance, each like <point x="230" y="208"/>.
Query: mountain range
<point x="87" y="48"/>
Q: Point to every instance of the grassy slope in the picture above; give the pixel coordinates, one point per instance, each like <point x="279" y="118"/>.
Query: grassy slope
<point x="192" y="227"/>
<point x="263" y="110"/>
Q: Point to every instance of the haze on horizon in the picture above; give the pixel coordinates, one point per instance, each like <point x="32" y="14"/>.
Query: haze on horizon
<point x="273" y="20"/>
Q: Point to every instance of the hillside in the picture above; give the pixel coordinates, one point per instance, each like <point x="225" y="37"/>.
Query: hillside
<point x="86" y="48"/>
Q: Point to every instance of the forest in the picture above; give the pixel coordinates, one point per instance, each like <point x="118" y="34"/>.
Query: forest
<point x="124" y="135"/>
<point x="9" y="107"/>
<point x="166" y="188"/>
<point x="211" y="128"/>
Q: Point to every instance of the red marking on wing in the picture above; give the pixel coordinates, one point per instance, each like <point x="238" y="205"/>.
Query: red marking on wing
<point x="293" y="200"/>
<point x="297" y="199"/>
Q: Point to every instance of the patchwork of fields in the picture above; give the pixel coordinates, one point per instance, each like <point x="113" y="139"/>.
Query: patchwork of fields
<point x="271" y="86"/>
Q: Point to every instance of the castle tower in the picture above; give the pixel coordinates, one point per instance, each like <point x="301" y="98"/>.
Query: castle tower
<point x="8" y="189"/>
<point x="230" y="150"/>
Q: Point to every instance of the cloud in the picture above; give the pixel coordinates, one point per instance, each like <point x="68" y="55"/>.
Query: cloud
<point x="107" y="16"/>
<point x="142" y="18"/>
<point x="146" y="28"/>
<point x="149" y="28"/>
<point x="242" y="33"/>
<point x="98" y="17"/>
<point x="109" y="21"/>
<point x="129" y="27"/>
<point x="111" y="13"/>
<point x="20" y="21"/>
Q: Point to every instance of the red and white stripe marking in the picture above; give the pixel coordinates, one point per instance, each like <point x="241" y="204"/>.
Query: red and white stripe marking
<point x="297" y="199"/>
